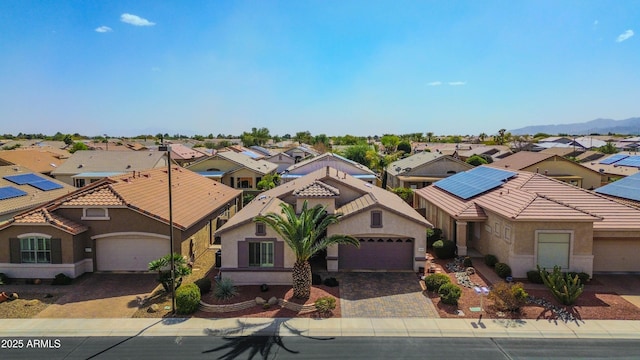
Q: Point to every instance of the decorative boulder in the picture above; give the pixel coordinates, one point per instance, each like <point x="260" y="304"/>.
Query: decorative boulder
<point x="470" y="271"/>
<point x="273" y="301"/>
<point x="260" y="301"/>
<point x="153" y="308"/>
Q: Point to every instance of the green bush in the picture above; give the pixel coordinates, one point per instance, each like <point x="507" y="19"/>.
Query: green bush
<point x="444" y="249"/>
<point x="534" y="277"/>
<point x="187" y="299"/>
<point x="433" y="235"/>
<point x="466" y="262"/>
<point x="225" y="289"/>
<point x="508" y="297"/>
<point x="490" y="260"/>
<point x="564" y="288"/>
<point x="61" y="279"/>
<point x="503" y="270"/>
<point x="434" y="281"/>
<point x="325" y="305"/>
<point x="450" y="293"/>
<point x="4" y="279"/>
<point x="204" y="285"/>
<point x="583" y="276"/>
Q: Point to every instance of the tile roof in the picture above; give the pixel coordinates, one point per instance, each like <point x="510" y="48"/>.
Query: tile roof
<point x="41" y="216"/>
<point x="41" y="161"/>
<point x="260" y="166"/>
<point x="100" y="196"/>
<point x="329" y="159"/>
<point x="531" y="196"/>
<point x="411" y="162"/>
<point x="521" y="160"/>
<point x="182" y="152"/>
<point x="611" y="169"/>
<point x="317" y="189"/>
<point x="110" y="161"/>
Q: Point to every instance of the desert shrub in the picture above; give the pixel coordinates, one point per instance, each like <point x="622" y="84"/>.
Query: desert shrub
<point x="331" y="282"/>
<point x="225" y="289"/>
<point x="434" y="281"/>
<point x="316" y="279"/>
<point x="583" y="276"/>
<point x="325" y="305"/>
<point x="534" y="277"/>
<point x="433" y="235"/>
<point x="204" y="285"/>
<point x="503" y="270"/>
<point x="187" y="299"/>
<point x="4" y="279"/>
<point x="508" y="297"/>
<point x="450" y="293"/>
<point x="490" y="260"/>
<point x="564" y="288"/>
<point x="466" y="262"/>
<point x="444" y="249"/>
<point x="61" y="279"/>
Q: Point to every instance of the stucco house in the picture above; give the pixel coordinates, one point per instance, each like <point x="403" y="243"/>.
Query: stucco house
<point x="392" y="234"/>
<point x="87" y="166"/>
<point x="42" y="161"/>
<point x="422" y="169"/>
<point x="236" y="170"/>
<point x="332" y="160"/>
<point x="528" y="219"/>
<point x="551" y="165"/>
<point x="120" y="223"/>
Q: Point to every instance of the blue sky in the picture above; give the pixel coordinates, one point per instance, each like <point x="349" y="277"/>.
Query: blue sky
<point x="335" y="67"/>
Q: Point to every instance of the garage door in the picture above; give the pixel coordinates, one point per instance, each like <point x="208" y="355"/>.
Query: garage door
<point x="615" y="255"/>
<point x="127" y="253"/>
<point x="377" y="254"/>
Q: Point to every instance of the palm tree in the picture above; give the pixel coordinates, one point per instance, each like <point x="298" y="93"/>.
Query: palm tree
<point x="305" y="234"/>
<point x="163" y="267"/>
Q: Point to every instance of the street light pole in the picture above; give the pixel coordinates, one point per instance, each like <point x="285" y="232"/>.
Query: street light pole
<point x="167" y="148"/>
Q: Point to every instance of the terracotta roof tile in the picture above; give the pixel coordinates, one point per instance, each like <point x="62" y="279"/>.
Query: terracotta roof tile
<point x="42" y="216"/>
<point x="102" y="196"/>
<point x="317" y="189"/>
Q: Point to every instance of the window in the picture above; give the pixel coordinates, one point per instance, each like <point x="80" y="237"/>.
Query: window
<point x="35" y="250"/>
<point x="376" y="219"/>
<point x="80" y="182"/>
<point x="261" y="229"/>
<point x="261" y="254"/>
<point x="245" y="183"/>
<point x="554" y="249"/>
<point x="95" y="214"/>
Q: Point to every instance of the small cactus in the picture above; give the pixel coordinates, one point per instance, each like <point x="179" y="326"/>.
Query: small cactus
<point x="564" y="287"/>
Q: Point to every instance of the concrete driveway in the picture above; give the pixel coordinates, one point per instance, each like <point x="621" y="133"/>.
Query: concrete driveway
<point x="102" y="295"/>
<point x="383" y="295"/>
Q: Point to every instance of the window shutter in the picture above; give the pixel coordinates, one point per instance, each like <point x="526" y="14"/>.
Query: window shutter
<point x="14" y="245"/>
<point x="278" y="260"/>
<point x="243" y="254"/>
<point x="56" y="251"/>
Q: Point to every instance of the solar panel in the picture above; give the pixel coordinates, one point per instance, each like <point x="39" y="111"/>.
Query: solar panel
<point x="33" y="180"/>
<point x="633" y="161"/>
<point x="468" y="184"/>
<point x="45" y="185"/>
<point x="9" y="192"/>
<point x="626" y="188"/>
<point x="613" y="159"/>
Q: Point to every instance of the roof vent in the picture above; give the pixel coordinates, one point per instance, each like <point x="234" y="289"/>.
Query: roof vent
<point x="81" y="165"/>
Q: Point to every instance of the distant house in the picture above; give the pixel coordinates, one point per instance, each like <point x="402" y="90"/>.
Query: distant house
<point x="283" y="160"/>
<point x="41" y="161"/>
<point x="528" y="219"/>
<point x="234" y="169"/>
<point x="301" y="152"/>
<point x="553" y="166"/>
<point x="184" y="155"/>
<point x="611" y="168"/>
<point x="578" y="143"/>
<point x="489" y="153"/>
<point x="626" y="189"/>
<point x="392" y="235"/>
<point x="88" y="166"/>
<point x="22" y="189"/>
<point x="332" y="160"/>
<point x="422" y="169"/>
<point x="119" y="223"/>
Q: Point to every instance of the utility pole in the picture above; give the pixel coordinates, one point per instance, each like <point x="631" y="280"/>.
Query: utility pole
<point x="167" y="148"/>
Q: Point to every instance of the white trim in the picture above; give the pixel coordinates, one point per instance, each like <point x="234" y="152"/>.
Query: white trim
<point x="105" y="217"/>
<point x="46" y="236"/>
<point x="571" y="237"/>
<point x="130" y="233"/>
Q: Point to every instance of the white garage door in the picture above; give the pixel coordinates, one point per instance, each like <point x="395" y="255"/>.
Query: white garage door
<point x="615" y="255"/>
<point x="129" y="253"/>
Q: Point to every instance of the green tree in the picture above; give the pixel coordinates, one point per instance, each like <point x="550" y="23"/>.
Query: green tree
<point x="476" y="160"/>
<point x="68" y="139"/>
<point x="163" y="267"/>
<point x="390" y="143"/>
<point x="305" y="234"/>
<point x="255" y="137"/>
<point x="303" y="137"/>
<point x="269" y="181"/>
<point x="358" y="153"/>
<point x="608" y="148"/>
<point x="405" y="147"/>
<point x="78" y="146"/>
<point x="429" y="136"/>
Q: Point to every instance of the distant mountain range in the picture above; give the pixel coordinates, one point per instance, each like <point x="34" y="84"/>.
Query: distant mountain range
<point x="600" y="126"/>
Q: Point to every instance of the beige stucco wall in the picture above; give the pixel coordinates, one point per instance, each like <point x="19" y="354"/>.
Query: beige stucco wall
<point x="213" y="163"/>
<point x="229" y="244"/>
<point x="312" y="202"/>
<point x="560" y="166"/>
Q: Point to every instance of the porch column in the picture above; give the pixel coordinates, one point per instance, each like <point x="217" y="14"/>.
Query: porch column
<point x="332" y="258"/>
<point x="461" y="237"/>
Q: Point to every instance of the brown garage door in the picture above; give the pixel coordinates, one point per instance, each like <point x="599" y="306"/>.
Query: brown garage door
<point x="377" y="254"/>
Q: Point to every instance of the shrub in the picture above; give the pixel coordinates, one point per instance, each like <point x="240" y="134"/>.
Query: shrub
<point x="534" y="277"/>
<point x="433" y="235"/>
<point x="449" y="293"/>
<point x="503" y="270"/>
<point x="565" y="289"/>
<point x="434" y="281"/>
<point x="466" y="262"/>
<point x="508" y="297"/>
<point x="204" y="285"/>
<point x="490" y="260"/>
<point x="444" y="249"/>
<point x="61" y="279"/>
<point x="325" y="305"/>
<point x="187" y="299"/>
<point x="4" y="279"/>
<point x="225" y="289"/>
<point x="331" y="282"/>
<point x="583" y="276"/>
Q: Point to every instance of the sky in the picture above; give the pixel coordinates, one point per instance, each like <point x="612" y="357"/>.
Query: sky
<point x="126" y="68"/>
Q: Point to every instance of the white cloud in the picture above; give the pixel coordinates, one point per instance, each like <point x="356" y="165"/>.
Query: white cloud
<point x="135" y="20"/>
<point x="103" y="29"/>
<point x="435" y="83"/>
<point x="457" y="83"/>
<point x="625" y="35"/>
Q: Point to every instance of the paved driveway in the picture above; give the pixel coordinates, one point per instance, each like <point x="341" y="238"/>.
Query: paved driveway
<point x="383" y="295"/>
<point x="102" y="295"/>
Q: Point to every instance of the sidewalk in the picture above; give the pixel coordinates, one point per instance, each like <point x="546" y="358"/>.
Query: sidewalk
<point x="405" y="327"/>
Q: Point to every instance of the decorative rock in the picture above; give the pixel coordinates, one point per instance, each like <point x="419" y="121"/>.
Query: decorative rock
<point x="260" y="301"/>
<point x="153" y="308"/>
<point x="32" y="302"/>
<point x="470" y="271"/>
<point x="13" y="296"/>
<point x="273" y="301"/>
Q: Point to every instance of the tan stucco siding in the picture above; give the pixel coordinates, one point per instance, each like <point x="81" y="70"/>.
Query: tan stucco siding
<point x="229" y="244"/>
<point x="67" y="245"/>
<point x="554" y="166"/>
<point x="215" y="163"/>
<point x="312" y="202"/>
<point x="616" y="254"/>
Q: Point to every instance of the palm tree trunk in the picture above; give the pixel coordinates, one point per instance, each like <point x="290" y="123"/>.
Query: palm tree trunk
<point x="301" y="279"/>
